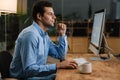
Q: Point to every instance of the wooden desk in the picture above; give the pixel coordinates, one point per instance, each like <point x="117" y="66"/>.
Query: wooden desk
<point x="101" y="70"/>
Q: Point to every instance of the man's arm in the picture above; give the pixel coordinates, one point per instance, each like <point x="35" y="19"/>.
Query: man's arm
<point x="28" y="52"/>
<point x="59" y="51"/>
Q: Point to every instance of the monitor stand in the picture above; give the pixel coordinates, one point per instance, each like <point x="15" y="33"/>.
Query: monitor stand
<point x="103" y="58"/>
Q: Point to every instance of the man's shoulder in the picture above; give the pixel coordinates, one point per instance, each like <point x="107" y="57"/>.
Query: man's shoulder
<point x="28" y="32"/>
<point x="29" y="29"/>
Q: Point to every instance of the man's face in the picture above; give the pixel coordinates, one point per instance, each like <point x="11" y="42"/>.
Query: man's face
<point x="48" y="18"/>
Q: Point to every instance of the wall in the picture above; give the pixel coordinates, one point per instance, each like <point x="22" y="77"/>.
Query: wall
<point x="80" y="7"/>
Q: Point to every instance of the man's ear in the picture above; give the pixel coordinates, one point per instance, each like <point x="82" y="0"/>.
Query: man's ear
<point x="38" y="16"/>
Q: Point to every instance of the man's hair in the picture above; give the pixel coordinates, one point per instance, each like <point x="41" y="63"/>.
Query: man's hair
<point x="38" y="7"/>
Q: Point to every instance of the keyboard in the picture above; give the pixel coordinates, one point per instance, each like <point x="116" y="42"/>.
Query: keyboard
<point x="80" y="61"/>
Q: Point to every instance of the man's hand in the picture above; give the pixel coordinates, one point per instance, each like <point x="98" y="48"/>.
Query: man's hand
<point x="61" y="28"/>
<point x="67" y="64"/>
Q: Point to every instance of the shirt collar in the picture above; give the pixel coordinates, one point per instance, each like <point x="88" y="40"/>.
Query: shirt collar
<point x="40" y="30"/>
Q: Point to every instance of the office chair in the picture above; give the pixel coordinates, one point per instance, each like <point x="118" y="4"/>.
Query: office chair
<point x="5" y="60"/>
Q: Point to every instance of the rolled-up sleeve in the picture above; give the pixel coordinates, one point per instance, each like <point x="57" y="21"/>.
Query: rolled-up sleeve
<point x="59" y="51"/>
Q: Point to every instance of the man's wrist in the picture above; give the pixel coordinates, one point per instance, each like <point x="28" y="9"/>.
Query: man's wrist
<point x="58" y="65"/>
<point x="62" y="60"/>
<point x="62" y="34"/>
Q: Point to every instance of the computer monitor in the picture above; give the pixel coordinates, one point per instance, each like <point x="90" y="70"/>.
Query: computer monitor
<point x="98" y="41"/>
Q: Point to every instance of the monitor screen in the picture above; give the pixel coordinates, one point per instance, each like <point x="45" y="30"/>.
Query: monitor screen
<point x="97" y="31"/>
<point x="97" y="28"/>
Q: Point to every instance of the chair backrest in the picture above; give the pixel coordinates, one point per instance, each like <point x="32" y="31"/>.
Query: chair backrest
<point x="5" y="60"/>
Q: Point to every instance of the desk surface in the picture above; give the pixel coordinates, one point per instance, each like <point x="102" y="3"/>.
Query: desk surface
<point x="101" y="70"/>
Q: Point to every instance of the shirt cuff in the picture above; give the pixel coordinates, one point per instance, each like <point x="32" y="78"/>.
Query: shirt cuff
<point x="53" y="67"/>
<point x="63" y="38"/>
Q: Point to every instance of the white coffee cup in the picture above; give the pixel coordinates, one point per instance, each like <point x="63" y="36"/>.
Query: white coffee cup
<point x="85" y="68"/>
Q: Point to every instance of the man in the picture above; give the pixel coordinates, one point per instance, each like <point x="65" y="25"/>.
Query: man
<point x="33" y="46"/>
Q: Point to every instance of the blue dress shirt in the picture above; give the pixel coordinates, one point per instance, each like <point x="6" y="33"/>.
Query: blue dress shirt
<point x="32" y="48"/>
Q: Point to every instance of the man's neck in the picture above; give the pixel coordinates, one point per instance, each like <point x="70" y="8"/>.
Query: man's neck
<point x="42" y="26"/>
